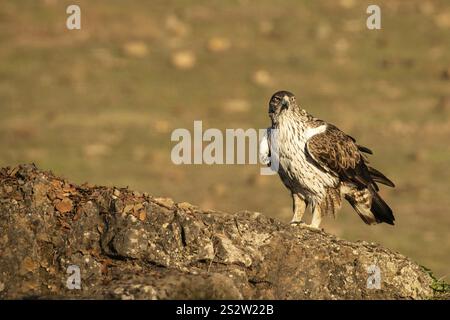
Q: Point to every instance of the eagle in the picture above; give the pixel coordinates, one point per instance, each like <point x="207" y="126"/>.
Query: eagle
<point x="321" y="165"/>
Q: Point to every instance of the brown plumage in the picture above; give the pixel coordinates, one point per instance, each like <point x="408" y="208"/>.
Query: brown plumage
<point x="338" y="153"/>
<point x="320" y="164"/>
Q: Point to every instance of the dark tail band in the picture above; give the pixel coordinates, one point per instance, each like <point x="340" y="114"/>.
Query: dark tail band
<point x="380" y="209"/>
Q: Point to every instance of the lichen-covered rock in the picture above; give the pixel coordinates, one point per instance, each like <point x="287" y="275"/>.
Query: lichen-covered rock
<point x="132" y="246"/>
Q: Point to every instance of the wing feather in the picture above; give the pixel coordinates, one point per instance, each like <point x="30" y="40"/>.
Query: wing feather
<point x="335" y="152"/>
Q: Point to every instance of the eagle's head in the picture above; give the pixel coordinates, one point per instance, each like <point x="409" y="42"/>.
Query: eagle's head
<point x="280" y="102"/>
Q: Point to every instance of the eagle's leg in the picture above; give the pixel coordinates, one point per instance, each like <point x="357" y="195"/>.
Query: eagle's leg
<point x="299" y="206"/>
<point x="316" y="218"/>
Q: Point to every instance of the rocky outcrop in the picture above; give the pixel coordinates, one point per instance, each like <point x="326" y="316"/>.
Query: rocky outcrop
<point x="129" y="245"/>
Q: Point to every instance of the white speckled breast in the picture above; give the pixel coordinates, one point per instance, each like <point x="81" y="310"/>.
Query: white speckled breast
<point x="297" y="172"/>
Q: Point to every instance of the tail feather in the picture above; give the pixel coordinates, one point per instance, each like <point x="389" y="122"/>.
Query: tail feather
<point x="370" y="206"/>
<point x="364" y="149"/>
<point x="377" y="176"/>
<point x="380" y="209"/>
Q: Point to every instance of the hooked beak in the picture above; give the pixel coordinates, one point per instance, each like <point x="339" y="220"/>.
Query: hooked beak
<point x="284" y="103"/>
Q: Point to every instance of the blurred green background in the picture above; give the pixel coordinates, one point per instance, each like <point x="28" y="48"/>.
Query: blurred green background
<point x="99" y="104"/>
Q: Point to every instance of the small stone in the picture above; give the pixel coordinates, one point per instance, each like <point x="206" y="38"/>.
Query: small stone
<point x="262" y="78"/>
<point x="56" y="183"/>
<point x="128" y="208"/>
<point x="136" y="49"/>
<point x="69" y="189"/>
<point x="118" y="290"/>
<point x="164" y="202"/>
<point x="28" y="265"/>
<point x="442" y="20"/>
<point x="60" y="195"/>
<point x="142" y="215"/>
<point x="176" y="26"/>
<point x="64" y="206"/>
<point x="185" y="205"/>
<point x="218" y="44"/>
<point x="183" y="60"/>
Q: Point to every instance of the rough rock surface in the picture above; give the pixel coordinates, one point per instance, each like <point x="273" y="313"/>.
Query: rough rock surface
<point x="129" y="245"/>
